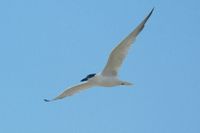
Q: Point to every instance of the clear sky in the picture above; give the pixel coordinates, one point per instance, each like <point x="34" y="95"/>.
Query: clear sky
<point x="48" y="45"/>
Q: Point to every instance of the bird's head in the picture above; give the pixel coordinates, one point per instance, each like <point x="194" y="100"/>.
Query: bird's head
<point x="88" y="77"/>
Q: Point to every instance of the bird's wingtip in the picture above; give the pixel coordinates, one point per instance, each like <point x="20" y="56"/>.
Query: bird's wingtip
<point x="152" y="9"/>
<point x="148" y="16"/>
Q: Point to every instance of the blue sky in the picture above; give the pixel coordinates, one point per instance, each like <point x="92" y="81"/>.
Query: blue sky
<point x="47" y="45"/>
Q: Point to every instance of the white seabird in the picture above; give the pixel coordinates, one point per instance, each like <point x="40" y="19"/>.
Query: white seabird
<point x="108" y="77"/>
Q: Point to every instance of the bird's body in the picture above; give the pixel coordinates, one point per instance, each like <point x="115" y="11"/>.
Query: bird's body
<point x="105" y="81"/>
<point x="109" y="76"/>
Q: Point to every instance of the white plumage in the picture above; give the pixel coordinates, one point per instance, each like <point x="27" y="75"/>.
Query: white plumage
<point x="108" y="77"/>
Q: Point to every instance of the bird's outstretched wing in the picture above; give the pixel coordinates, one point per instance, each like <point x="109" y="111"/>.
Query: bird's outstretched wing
<point x="72" y="90"/>
<point x="119" y="53"/>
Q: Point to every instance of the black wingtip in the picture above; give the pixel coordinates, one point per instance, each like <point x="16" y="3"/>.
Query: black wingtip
<point x="148" y="16"/>
<point x="46" y="100"/>
<point x="153" y="8"/>
<point x="150" y="12"/>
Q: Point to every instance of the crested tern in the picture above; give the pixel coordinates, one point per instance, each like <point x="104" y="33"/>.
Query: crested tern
<point x="109" y="76"/>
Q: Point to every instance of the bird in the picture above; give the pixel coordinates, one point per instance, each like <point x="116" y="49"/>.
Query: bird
<point x="109" y="76"/>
